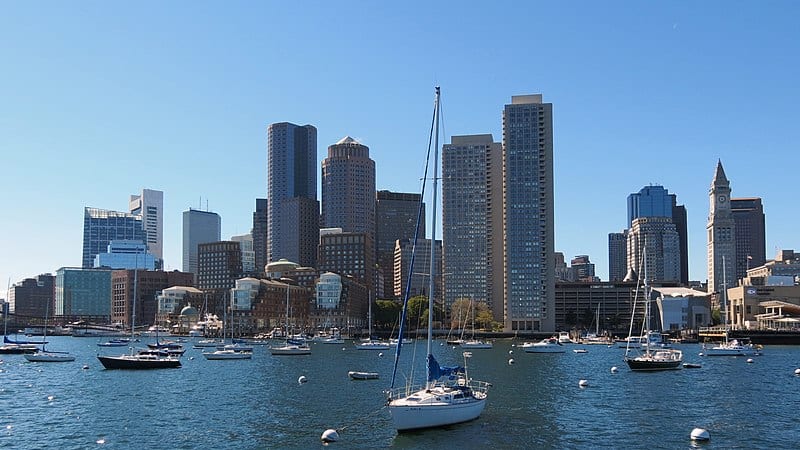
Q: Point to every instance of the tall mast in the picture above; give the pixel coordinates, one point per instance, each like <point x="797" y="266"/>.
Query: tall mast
<point x="431" y="282"/>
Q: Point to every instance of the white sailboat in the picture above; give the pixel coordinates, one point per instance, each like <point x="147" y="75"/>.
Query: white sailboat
<point x="290" y="347"/>
<point x="371" y="344"/>
<point x="43" y="355"/>
<point x="229" y="351"/>
<point x="448" y="396"/>
<point x="473" y="343"/>
<point x="729" y="347"/>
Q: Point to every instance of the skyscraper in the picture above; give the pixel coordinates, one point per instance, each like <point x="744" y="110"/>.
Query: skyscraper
<point x="617" y="255"/>
<point x="751" y="244"/>
<point x="293" y="209"/>
<point x="721" y="234"/>
<point x="654" y="249"/>
<point x="472" y="221"/>
<point x="671" y="252"/>
<point x="199" y="227"/>
<point x="260" y="234"/>
<point x="101" y="226"/>
<point x="529" y="276"/>
<point x="395" y="218"/>
<point x="348" y="188"/>
<point x="150" y="206"/>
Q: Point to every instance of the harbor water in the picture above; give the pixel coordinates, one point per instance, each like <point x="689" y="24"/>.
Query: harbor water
<point x="535" y="402"/>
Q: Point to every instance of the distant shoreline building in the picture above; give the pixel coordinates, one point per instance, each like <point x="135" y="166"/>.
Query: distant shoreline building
<point x="101" y="226"/>
<point x="199" y="227"/>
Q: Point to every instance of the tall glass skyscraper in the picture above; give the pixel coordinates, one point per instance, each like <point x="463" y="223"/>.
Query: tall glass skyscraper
<point x="472" y="221"/>
<point x="199" y="227"/>
<point x="395" y="218"/>
<point x="150" y="206"/>
<point x="101" y="226"/>
<point x="293" y="209"/>
<point x="528" y="219"/>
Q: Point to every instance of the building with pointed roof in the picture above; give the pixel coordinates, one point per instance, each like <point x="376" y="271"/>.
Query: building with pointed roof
<point x="721" y="234"/>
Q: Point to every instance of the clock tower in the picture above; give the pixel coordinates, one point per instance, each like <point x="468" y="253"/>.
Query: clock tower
<point x="721" y="238"/>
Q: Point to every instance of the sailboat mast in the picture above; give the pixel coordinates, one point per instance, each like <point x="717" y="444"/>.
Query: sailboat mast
<point x="431" y="281"/>
<point x="725" y="297"/>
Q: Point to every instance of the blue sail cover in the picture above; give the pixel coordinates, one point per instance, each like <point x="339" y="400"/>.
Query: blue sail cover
<point x="435" y="371"/>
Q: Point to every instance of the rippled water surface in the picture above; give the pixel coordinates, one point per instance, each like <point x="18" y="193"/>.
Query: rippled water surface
<point x="534" y="403"/>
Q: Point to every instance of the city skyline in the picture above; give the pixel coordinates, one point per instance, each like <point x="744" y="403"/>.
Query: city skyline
<point x="107" y="100"/>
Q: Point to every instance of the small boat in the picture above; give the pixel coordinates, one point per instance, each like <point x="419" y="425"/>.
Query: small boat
<point x="564" y="338"/>
<point x="691" y="366"/>
<point x="362" y="375"/>
<point x="121" y="342"/>
<point x="227" y="354"/>
<point x="732" y="347"/>
<point x="6" y="340"/>
<point x="580" y="350"/>
<point x="371" y="344"/>
<point x="208" y="343"/>
<point x="292" y="347"/>
<point x="476" y="344"/>
<point x="43" y="355"/>
<point x="547" y="345"/>
<point x="18" y="349"/>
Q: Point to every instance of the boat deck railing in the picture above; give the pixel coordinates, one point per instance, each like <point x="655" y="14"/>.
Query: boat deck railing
<point x="405" y="391"/>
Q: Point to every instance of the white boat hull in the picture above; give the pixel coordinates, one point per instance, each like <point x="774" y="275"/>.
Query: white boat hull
<point x="545" y="349"/>
<point x="372" y="346"/>
<point x="731" y="351"/>
<point x="411" y="416"/>
<point x="228" y="354"/>
<point x="290" y="350"/>
<point x="49" y="357"/>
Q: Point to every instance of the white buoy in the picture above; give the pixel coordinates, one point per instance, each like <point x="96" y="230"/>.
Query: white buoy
<point x="614" y="369"/>
<point x="330" y="436"/>
<point x="191" y="358"/>
<point x="583" y="383"/>
<point x="511" y="352"/>
<point x="302" y="379"/>
<point x="513" y="345"/>
<point x="699" y="434"/>
<point x="749" y="360"/>
<point x="797" y="371"/>
<point x="700" y="354"/>
<point x="344" y="348"/>
<point x="511" y="361"/>
<point x="85" y="367"/>
<point x="380" y="354"/>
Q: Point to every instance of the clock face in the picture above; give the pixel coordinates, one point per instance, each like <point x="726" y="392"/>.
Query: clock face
<point x="722" y="198"/>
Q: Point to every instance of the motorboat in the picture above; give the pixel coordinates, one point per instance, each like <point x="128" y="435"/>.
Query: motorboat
<point x="291" y="348"/>
<point x="547" y="345"/>
<point x="732" y="347"/>
<point x="564" y="338"/>
<point x="372" y="345"/>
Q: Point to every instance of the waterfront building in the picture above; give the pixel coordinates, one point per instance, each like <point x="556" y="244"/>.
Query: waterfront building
<point x="579" y="304"/>
<point x="751" y="243"/>
<point x="395" y="218"/>
<point x="617" y="255"/>
<point x="472" y="221"/>
<point x="243" y="297"/>
<point x="149" y="205"/>
<point x="199" y="227"/>
<point x="172" y="303"/>
<point x="422" y="263"/>
<point x="126" y="254"/>
<point x="259" y="233"/>
<point x="219" y="266"/>
<point x="83" y="294"/>
<point x="248" y="254"/>
<point x="656" y="239"/>
<point x="721" y="231"/>
<point x="755" y="305"/>
<point x="292" y="206"/>
<point x="146" y="284"/>
<point x="682" y="309"/>
<point x="32" y="298"/>
<point x="340" y="302"/>
<point x="347" y="254"/>
<point x="528" y="229"/>
<point x="269" y="307"/>
<point x="101" y="226"/>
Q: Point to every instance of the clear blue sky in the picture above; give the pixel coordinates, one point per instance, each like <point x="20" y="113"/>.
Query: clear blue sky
<point x="101" y="99"/>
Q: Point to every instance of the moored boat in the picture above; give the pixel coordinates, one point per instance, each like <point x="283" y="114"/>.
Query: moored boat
<point x="547" y="345"/>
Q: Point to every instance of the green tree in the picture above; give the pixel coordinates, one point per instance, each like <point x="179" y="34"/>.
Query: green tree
<point x="386" y="313"/>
